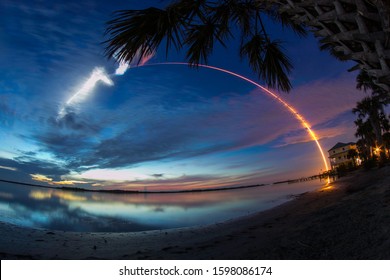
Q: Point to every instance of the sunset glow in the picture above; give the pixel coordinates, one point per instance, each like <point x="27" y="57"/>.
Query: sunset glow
<point x="45" y="179"/>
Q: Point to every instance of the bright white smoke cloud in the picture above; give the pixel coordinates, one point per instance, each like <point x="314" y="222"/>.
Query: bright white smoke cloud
<point x="123" y="66"/>
<point x="99" y="74"/>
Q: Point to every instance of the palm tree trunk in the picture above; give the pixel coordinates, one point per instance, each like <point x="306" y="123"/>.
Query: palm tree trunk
<point x="377" y="131"/>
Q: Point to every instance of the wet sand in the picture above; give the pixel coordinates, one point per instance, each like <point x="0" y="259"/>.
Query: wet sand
<point x="348" y="220"/>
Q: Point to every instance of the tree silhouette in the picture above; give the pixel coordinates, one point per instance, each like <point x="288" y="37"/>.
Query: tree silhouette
<point x="372" y="122"/>
<point x="197" y="26"/>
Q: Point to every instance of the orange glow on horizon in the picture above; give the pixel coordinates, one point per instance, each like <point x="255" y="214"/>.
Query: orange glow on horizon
<point x="292" y="110"/>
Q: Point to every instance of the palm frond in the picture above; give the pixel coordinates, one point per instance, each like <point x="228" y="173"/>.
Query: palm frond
<point x="276" y="67"/>
<point x="364" y="81"/>
<point x="237" y="12"/>
<point x="200" y="39"/>
<point x="135" y="32"/>
<point x="253" y="50"/>
<point x="189" y="9"/>
<point x="285" y="20"/>
<point x="327" y="46"/>
<point x="197" y="26"/>
<point x="268" y="60"/>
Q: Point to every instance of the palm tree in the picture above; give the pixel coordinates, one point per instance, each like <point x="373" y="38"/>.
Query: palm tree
<point x="366" y="83"/>
<point x="371" y="116"/>
<point x="363" y="150"/>
<point x="366" y="137"/>
<point x="198" y="26"/>
<point x="371" y="108"/>
<point x="386" y="143"/>
<point x="353" y="154"/>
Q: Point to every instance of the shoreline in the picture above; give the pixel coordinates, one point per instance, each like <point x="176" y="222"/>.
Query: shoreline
<point x="349" y="220"/>
<point x="119" y="191"/>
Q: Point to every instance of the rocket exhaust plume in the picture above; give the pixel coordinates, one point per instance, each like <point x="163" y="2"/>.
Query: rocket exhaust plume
<point x="98" y="74"/>
<point x="121" y="70"/>
<point x="138" y="58"/>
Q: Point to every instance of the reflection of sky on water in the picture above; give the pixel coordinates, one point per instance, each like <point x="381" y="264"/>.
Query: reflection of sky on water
<point x="88" y="211"/>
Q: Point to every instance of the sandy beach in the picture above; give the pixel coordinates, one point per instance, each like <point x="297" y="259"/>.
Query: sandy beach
<point x="348" y="220"/>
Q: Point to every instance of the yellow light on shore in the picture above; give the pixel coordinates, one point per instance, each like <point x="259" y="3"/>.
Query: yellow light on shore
<point x="327" y="188"/>
<point x="377" y="150"/>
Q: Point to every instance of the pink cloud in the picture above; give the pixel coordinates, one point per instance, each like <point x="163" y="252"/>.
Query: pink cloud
<point x="324" y="100"/>
<point x="297" y="137"/>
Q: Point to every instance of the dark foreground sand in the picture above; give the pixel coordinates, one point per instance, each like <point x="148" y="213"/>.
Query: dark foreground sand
<point x="350" y="220"/>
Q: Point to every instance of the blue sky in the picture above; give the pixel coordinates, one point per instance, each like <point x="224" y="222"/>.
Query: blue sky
<point x="162" y="126"/>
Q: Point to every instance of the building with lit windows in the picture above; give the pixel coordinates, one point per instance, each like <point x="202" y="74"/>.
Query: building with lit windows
<point x="338" y="154"/>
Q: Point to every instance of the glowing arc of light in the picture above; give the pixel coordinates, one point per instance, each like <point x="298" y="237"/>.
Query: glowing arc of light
<point x="295" y="113"/>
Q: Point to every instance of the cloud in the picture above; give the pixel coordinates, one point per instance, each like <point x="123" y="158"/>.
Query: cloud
<point x="8" y="168"/>
<point x="144" y="128"/>
<point x="168" y="133"/>
<point x="21" y="168"/>
<point x="325" y="99"/>
<point x="30" y="165"/>
<point x="298" y="137"/>
<point x="166" y="117"/>
<point x="179" y="183"/>
<point x="13" y="108"/>
<point x="73" y="121"/>
<point x="159" y="175"/>
<point x="45" y="179"/>
<point x="66" y="147"/>
<point x="326" y="104"/>
<point x="5" y="108"/>
<point x="56" y="24"/>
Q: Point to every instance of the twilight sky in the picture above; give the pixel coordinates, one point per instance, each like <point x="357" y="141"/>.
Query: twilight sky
<point x="158" y="126"/>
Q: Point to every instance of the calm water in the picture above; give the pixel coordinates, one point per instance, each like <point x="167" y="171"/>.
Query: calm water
<point x="87" y="211"/>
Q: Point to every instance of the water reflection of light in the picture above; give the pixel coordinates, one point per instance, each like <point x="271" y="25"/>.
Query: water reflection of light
<point x="42" y="195"/>
<point x="69" y="196"/>
<point x="16" y="215"/>
<point x="327" y="188"/>
<point x="96" y="197"/>
<point x="86" y="211"/>
<point x="169" y="214"/>
<point x="40" y="218"/>
<point x="5" y="208"/>
<point x="6" y="195"/>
